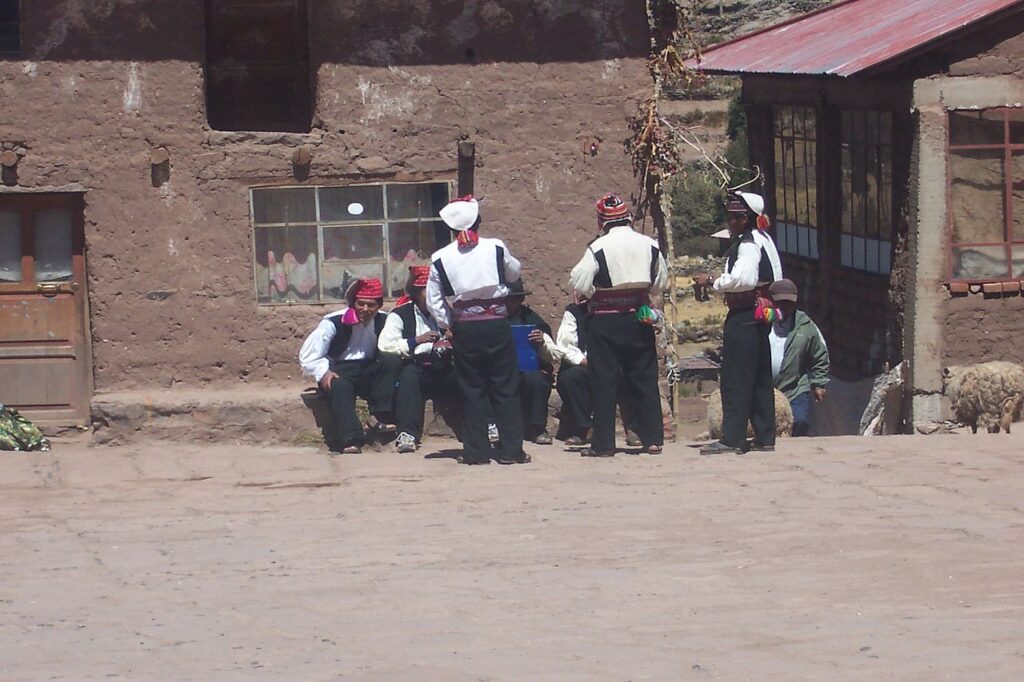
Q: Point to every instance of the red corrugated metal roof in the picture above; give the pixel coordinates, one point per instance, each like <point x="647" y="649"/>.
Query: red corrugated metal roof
<point x="848" y="38"/>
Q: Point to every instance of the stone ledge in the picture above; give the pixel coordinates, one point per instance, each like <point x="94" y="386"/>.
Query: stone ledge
<point x="255" y="414"/>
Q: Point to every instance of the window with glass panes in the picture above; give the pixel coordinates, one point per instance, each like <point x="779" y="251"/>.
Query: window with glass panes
<point x="311" y="243"/>
<point x="867" y="179"/>
<point x="796" y="180"/>
<point x="986" y="195"/>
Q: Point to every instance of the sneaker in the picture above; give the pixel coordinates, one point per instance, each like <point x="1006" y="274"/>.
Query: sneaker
<point x="492" y="433"/>
<point x="720" y="448"/>
<point x="543" y="439"/>
<point x="405" y="443"/>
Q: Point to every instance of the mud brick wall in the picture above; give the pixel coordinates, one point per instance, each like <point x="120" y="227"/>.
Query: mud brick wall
<point x="398" y="83"/>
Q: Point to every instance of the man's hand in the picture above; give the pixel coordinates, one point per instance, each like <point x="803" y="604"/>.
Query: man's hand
<point x="584" y="363"/>
<point x="427" y="337"/>
<point x="819" y="394"/>
<point x="536" y="337"/>
<point x="327" y="379"/>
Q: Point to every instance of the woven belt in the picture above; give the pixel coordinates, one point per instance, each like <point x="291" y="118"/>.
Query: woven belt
<point x="609" y="301"/>
<point x="745" y="299"/>
<point x="480" y="310"/>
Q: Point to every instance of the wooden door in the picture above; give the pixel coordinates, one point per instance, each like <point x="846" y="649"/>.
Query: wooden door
<point x="45" y="357"/>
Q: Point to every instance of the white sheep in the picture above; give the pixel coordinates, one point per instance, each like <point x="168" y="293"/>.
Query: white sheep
<point x="988" y="394"/>
<point x="783" y="416"/>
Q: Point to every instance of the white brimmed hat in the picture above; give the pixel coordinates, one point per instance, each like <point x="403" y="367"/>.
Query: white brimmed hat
<point x="461" y="214"/>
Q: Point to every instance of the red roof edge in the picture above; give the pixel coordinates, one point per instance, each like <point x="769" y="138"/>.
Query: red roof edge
<point x="771" y="27"/>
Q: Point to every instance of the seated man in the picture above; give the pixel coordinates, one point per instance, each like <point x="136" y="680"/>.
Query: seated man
<point x="574" y="380"/>
<point x="535" y="386"/>
<point x="411" y="334"/>
<point x="800" y="361"/>
<point x="341" y="354"/>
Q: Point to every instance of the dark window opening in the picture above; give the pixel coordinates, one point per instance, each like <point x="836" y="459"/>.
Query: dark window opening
<point x="10" y="27"/>
<point x="257" y="65"/>
<point x="796" y="180"/>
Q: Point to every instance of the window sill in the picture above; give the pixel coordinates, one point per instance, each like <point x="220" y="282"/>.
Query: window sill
<point x="224" y="138"/>
<point x="960" y="289"/>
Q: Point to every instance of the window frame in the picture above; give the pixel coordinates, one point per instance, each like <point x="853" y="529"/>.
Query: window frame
<point x="866" y="144"/>
<point x="383" y="222"/>
<point x="783" y="228"/>
<point x="17" y="25"/>
<point x="1010" y="238"/>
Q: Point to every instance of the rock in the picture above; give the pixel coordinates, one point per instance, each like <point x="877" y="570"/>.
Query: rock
<point x="372" y="164"/>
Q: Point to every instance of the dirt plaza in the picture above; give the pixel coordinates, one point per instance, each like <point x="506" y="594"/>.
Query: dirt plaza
<point x="893" y="558"/>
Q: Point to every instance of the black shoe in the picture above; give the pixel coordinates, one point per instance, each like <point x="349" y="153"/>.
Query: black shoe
<point x="473" y="461"/>
<point x="593" y="452"/>
<point x="720" y="448"/>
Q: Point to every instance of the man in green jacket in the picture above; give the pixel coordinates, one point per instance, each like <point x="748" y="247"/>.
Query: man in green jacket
<point x="799" y="356"/>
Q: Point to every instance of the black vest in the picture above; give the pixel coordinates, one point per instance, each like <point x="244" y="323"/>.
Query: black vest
<point x="407" y="314"/>
<point x="582" y="317"/>
<point x="765" y="273"/>
<point x="343" y="334"/>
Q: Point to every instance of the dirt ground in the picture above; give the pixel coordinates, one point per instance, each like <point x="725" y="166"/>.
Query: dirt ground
<point x="833" y="559"/>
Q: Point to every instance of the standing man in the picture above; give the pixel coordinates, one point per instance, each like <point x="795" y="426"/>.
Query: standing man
<point x="467" y="292"/>
<point x="412" y="335"/>
<point x="341" y="354"/>
<point x="574" y="381"/>
<point x="535" y="385"/>
<point x="752" y="264"/>
<point x="618" y="273"/>
<point x="800" y="362"/>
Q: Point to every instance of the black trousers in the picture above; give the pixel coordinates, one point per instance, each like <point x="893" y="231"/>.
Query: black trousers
<point x="416" y="385"/>
<point x="373" y="380"/>
<point x="622" y="351"/>
<point x="746" y="375"/>
<point x="488" y="373"/>
<point x="534" y="396"/>
<point x="577" y="403"/>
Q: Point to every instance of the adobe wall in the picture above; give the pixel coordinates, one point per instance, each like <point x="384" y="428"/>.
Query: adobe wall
<point x="984" y="71"/>
<point x="398" y="84"/>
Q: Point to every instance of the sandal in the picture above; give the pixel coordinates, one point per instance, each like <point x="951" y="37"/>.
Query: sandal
<point x="382" y="427"/>
<point x="653" y="449"/>
<point x="351" y="450"/>
<point x="592" y="452"/>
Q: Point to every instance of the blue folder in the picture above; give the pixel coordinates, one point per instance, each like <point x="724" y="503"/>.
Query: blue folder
<point x="525" y="351"/>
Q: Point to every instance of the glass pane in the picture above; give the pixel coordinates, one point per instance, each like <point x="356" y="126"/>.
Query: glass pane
<point x="1018" y="197"/>
<point x="1018" y="261"/>
<point x="353" y="243"/>
<point x="977" y="196"/>
<point x="1016" y="126"/>
<point x="976" y="127"/>
<point x="980" y="262"/>
<point x="781" y="210"/>
<point x="412" y="244"/>
<point x="885" y="194"/>
<point x="286" y="264"/>
<point x="52" y="245"/>
<point x="338" y="276"/>
<point x="801" y="182"/>
<point x="810" y="124"/>
<point x="10" y="246"/>
<point x="416" y="201"/>
<point x="363" y="203"/>
<point x="847" y="181"/>
<point x="284" y="205"/>
<point x="811" y="167"/>
<point x="871" y="190"/>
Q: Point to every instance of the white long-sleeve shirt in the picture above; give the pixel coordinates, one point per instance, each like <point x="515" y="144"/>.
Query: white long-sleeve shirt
<point x="313" y="355"/>
<point x="393" y="337"/>
<point x="621" y="259"/>
<point x="569" y="340"/>
<point x="745" y="273"/>
<point x="469" y="275"/>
